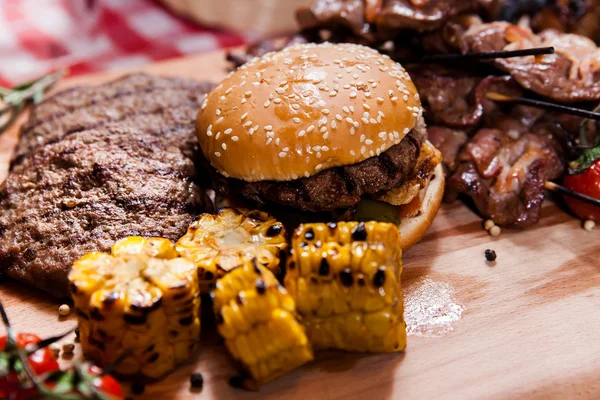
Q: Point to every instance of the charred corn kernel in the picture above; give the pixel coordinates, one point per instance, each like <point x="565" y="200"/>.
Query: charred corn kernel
<point x="142" y="297"/>
<point x="345" y="280"/>
<point x="219" y="243"/>
<point x="257" y="318"/>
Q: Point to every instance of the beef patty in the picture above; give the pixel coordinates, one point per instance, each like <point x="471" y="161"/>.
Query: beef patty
<point x="335" y="188"/>
<point x="82" y="190"/>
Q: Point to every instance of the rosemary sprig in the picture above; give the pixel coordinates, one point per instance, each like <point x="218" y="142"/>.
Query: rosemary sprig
<point x="13" y="101"/>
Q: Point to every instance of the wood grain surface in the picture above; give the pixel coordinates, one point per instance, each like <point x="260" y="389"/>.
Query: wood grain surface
<point x="527" y="326"/>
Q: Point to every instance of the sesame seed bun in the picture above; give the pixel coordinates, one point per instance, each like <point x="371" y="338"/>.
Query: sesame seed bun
<point x="307" y="108"/>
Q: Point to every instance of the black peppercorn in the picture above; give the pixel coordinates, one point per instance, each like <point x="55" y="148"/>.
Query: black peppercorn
<point x="490" y="255"/>
<point x="138" y="387"/>
<point x="196" y="380"/>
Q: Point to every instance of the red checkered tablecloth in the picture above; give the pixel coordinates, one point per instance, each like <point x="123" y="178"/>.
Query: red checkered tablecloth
<point x="39" y="36"/>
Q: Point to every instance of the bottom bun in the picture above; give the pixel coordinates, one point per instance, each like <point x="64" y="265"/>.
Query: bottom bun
<point x="412" y="229"/>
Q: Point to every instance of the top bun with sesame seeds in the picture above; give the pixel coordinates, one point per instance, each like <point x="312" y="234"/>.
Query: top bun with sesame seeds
<point x="305" y="109"/>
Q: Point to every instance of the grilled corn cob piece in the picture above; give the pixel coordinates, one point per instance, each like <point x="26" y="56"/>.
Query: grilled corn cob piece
<point x="345" y="279"/>
<point x="257" y="318"/>
<point x="142" y="297"/>
<point x="219" y="243"/>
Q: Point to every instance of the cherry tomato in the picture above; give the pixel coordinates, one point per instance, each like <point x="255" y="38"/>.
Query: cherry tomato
<point x="41" y="361"/>
<point x="106" y="384"/>
<point x="587" y="182"/>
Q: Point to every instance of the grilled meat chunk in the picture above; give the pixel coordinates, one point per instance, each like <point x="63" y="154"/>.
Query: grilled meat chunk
<point x="335" y="188"/>
<point x="449" y="142"/>
<point x="82" y="192"/>
<point x="377" y="20"/>
<point x="572" y="74"/>
<point x="504" y="174"/>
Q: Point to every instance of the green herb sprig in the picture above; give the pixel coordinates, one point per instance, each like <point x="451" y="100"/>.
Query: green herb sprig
<point x="14" y="100"/>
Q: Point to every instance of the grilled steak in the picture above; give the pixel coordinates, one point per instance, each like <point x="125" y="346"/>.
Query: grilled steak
<point x="82" y="189"/>
<point x="340" y="187"/>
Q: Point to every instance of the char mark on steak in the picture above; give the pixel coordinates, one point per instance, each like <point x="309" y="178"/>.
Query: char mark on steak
<point x="335" y="188"/>
<point x="80" y="192"/>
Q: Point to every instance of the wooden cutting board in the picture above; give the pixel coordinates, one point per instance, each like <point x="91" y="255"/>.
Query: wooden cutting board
<point x="526" y="327"/>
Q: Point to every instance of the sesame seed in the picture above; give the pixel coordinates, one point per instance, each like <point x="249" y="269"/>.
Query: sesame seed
<point x="269" y="140"/>
<point x="379" y="118"/>
<point x="406" y="130"/>
<point x="277" y="101"/>
<point x="255" y="127"/>
<point x="251" y="131"/>
<point x="371" y="153"/>
<point x="368" y="142"/>
<point x="352" y="95"/>
<point x="218" y="135"/>
<point x="270" y="134"/>
<point x="306" y="174"/>
<point x="349" y="120"/>
<point x="363" y="150"/>
<point x="319" y="166"/>
<point x="338" y="117"/>
<point x="352" y="153"/>
<point x="296" y="120"/>
<point x="243" y="101"/>
<point x="244" y="116"/>
<point x="282" y="154"/>
<point x="283" y="83"/>
<point x="217" y="154"/>
<point x="352" y="108"/>
<point x="366" y="106"/>
<point x="382" y="135"/>
<point x="373" y="121"/>
<point x="316" y="148"/>
<point x="204" y="104"/>
<point x="235" y="138"/>
<point x="323" y="129"/>
<point x="405" y="98"/>
<point x="333" y="93"/>
<point x="218" y="112"/>
<point x="222" y="98"/>
<point x="277" y="142"/>
<point x="325" y="111"/>
<point x="267" y="103"/>
<point x="325" y="135"/>
<point x="247" y="124"/>
<point x="356" y="124"/>
<point x="318" y="154"/>
<point x="321" y="103"/>
<point x="295" y="106"/>
<point x="310" y="128"/>
<point x="209" y="133"/>
<point x="228" y="131"/>
<point x="391" y="93"/>
<point x="362" y="138"/>
<point x="352" y="130"/>
<point x="394" y="99"/>
<point x="301" y="133"/>
<point x="346" y="109"/>
<point x="280" y="90"/>
<point x="228" y="90"/>
<point x="224" y="146"/>
<point x="324" y="148"/>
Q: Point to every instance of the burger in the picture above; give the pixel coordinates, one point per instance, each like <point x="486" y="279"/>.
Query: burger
<point x="324" y="128"/>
